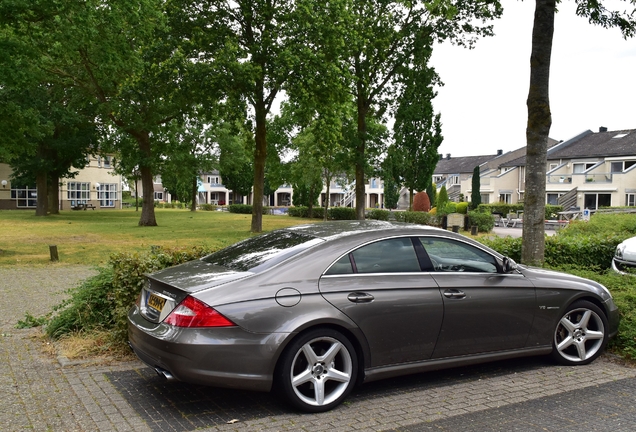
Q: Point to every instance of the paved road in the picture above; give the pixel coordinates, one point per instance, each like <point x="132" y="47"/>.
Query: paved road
<point x="38" y="393"/>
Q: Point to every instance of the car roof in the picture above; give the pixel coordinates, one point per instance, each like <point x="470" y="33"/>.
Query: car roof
<point x="332" y="230"/>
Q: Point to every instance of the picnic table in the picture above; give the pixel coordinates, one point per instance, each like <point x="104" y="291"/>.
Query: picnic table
<point x="83" y="207"/>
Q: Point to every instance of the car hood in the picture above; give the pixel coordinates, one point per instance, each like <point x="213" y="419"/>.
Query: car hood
<point x="543" y="278"/>
<point x="629" y="249"/>
<point x="197" y="275"/>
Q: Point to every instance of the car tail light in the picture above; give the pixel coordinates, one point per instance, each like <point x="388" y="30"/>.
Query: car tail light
<point x="194" y="313"/>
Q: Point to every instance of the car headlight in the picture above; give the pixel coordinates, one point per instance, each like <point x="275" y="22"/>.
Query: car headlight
<point x="619" y="251"/>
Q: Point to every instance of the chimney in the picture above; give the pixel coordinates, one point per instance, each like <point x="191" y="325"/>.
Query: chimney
<point x="602" y="129"/>
<point x="499" y="152"/>
<point x="440" y="156"/>
<point x="447" y="156"/>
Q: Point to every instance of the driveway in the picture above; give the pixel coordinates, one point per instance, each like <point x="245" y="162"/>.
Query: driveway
<point x="41" y="393"/>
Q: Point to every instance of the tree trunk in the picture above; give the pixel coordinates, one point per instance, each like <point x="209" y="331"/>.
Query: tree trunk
<point x="42" y="202"/>
<point x="537" y="130"/>
<point x="260" y="153"/>
<point x="148" y="205"/>
<point x="328" y="180"/>
<point x="195" y="192"/>
<point x="54" y="195"/>
<point x="360" y="150"/>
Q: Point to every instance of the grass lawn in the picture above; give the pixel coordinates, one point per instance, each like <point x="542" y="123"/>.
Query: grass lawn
<point x="89" y="237"/>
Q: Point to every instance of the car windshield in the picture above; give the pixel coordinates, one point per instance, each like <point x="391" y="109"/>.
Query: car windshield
<point x="262" y="252"/>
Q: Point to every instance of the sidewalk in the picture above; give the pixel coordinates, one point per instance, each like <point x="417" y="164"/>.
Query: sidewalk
<point x="527" y="394"/>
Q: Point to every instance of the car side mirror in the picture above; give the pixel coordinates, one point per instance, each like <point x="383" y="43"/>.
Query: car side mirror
<point x="509" y="265"/>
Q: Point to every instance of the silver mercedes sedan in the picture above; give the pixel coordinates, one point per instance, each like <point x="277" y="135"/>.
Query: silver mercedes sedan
<point x="310" y="311"/>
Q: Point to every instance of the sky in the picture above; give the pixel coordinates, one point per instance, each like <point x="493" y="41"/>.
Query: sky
<point x="483" y="100"/>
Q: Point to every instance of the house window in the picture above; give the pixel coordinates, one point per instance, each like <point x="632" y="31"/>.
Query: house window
<point x="505" y="198"/>
<point x="107" y="161"/>
<point x="630" y="199"/>
<point x="485" y="198"/>
<point x="158" y="196"/>
<point x="582" y="167"/>
<point x="553" y="166"/>
<point x="595" y="201"/>
<point x="78" y="192"/>
<point x="213" y="180"/>
<point x="553" y="198"/>
<point x="107" y="194"/>
<point x="25" y="196"/>
<point x="374" y="183"/>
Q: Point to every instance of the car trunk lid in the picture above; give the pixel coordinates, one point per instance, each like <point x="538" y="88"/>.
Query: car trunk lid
<point x="165" y="289"/>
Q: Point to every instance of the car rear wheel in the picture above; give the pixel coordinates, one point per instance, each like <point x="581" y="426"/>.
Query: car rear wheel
<point x="318" y="370"/>
<point x="580" y="335"/>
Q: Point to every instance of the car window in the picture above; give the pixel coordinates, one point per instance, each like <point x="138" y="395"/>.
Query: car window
<point x="261" y="252"/>
<point x="449" y="255"/>
<point x="386" y="256"/>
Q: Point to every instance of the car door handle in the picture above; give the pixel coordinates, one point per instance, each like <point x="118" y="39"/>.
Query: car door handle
<point x="454" y="294"/>
<point x="358" y="297"/>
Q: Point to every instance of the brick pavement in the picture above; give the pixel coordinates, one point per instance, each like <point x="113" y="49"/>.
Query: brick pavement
<point x="526" y="394"/>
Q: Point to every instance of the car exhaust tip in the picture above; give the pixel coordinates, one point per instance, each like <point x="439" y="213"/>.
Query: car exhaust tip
<point x="164" y="373"/>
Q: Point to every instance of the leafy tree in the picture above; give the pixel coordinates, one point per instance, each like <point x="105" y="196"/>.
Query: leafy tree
<point x="442" y="200"/>
<point x="417" y="129"/>
<point x="431" y="191"/>
<point x="262" y="44"/>
<point x="382" y="38"/>
<point x="128" y="58"/>
<point x="235" y="160"/>
<point x="191" y="150"/>
<point x="475" y="194"/>
<point x="539" y="116"/>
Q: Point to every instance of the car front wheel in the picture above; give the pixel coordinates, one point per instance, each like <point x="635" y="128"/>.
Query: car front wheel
<point x="318" y="370"/>
<point x="580" y="335"/>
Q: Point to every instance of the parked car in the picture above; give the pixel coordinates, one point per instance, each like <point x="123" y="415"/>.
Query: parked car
<point x="313" y="310"/>
<point x="624" y="260"/>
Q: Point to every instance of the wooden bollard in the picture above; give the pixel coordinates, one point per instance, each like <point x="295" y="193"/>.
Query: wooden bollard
<point x="53" y="251"/>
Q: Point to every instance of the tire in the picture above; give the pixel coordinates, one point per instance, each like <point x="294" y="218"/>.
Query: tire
<point x="317" y="371"/>
<point x="580" y="335"/>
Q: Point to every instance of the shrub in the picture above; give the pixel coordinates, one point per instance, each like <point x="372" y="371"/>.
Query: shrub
<point x="503" y="209"/>
<point x="421" y="218"/>
<point x="342" y="213"/>
<point x="378" y="214"/>
<point x="592" y="252"/>
<point x="102" y="301"/>
<point x="245" y="209"/>
<point x="90" y="306"/>
<point x="462" y="208"/>
<point x="208" y="207"/>
<point x="302" y="211"/>
<point x="484" y="221"/>
<point x="421" y="202"/>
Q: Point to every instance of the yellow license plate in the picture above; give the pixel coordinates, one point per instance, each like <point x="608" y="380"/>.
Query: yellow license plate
<point x="156" y="302"/>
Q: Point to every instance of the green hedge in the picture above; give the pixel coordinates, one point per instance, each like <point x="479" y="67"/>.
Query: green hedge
<point x="103" y="301"/>
<point x="484" y="221"/>
<point x="421" y="218"/>
<point x="208" y="207"/>
<point x="303" y="212"/>
<point x="592" y="251"/>
<point x="245" y="209"/>
<point x="342" y="213"/>
<point x="378" y="214"/>
<point x="503" y="209"/>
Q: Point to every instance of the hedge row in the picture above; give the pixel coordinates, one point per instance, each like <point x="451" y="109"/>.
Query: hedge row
<point x="334" y="213"/>
<point x="593" y="251"/>
<point x="551" y="211"/>
<point x="245" y="209"/>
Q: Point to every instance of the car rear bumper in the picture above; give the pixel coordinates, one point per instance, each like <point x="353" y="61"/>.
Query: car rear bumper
<point x="222" y="357"/>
